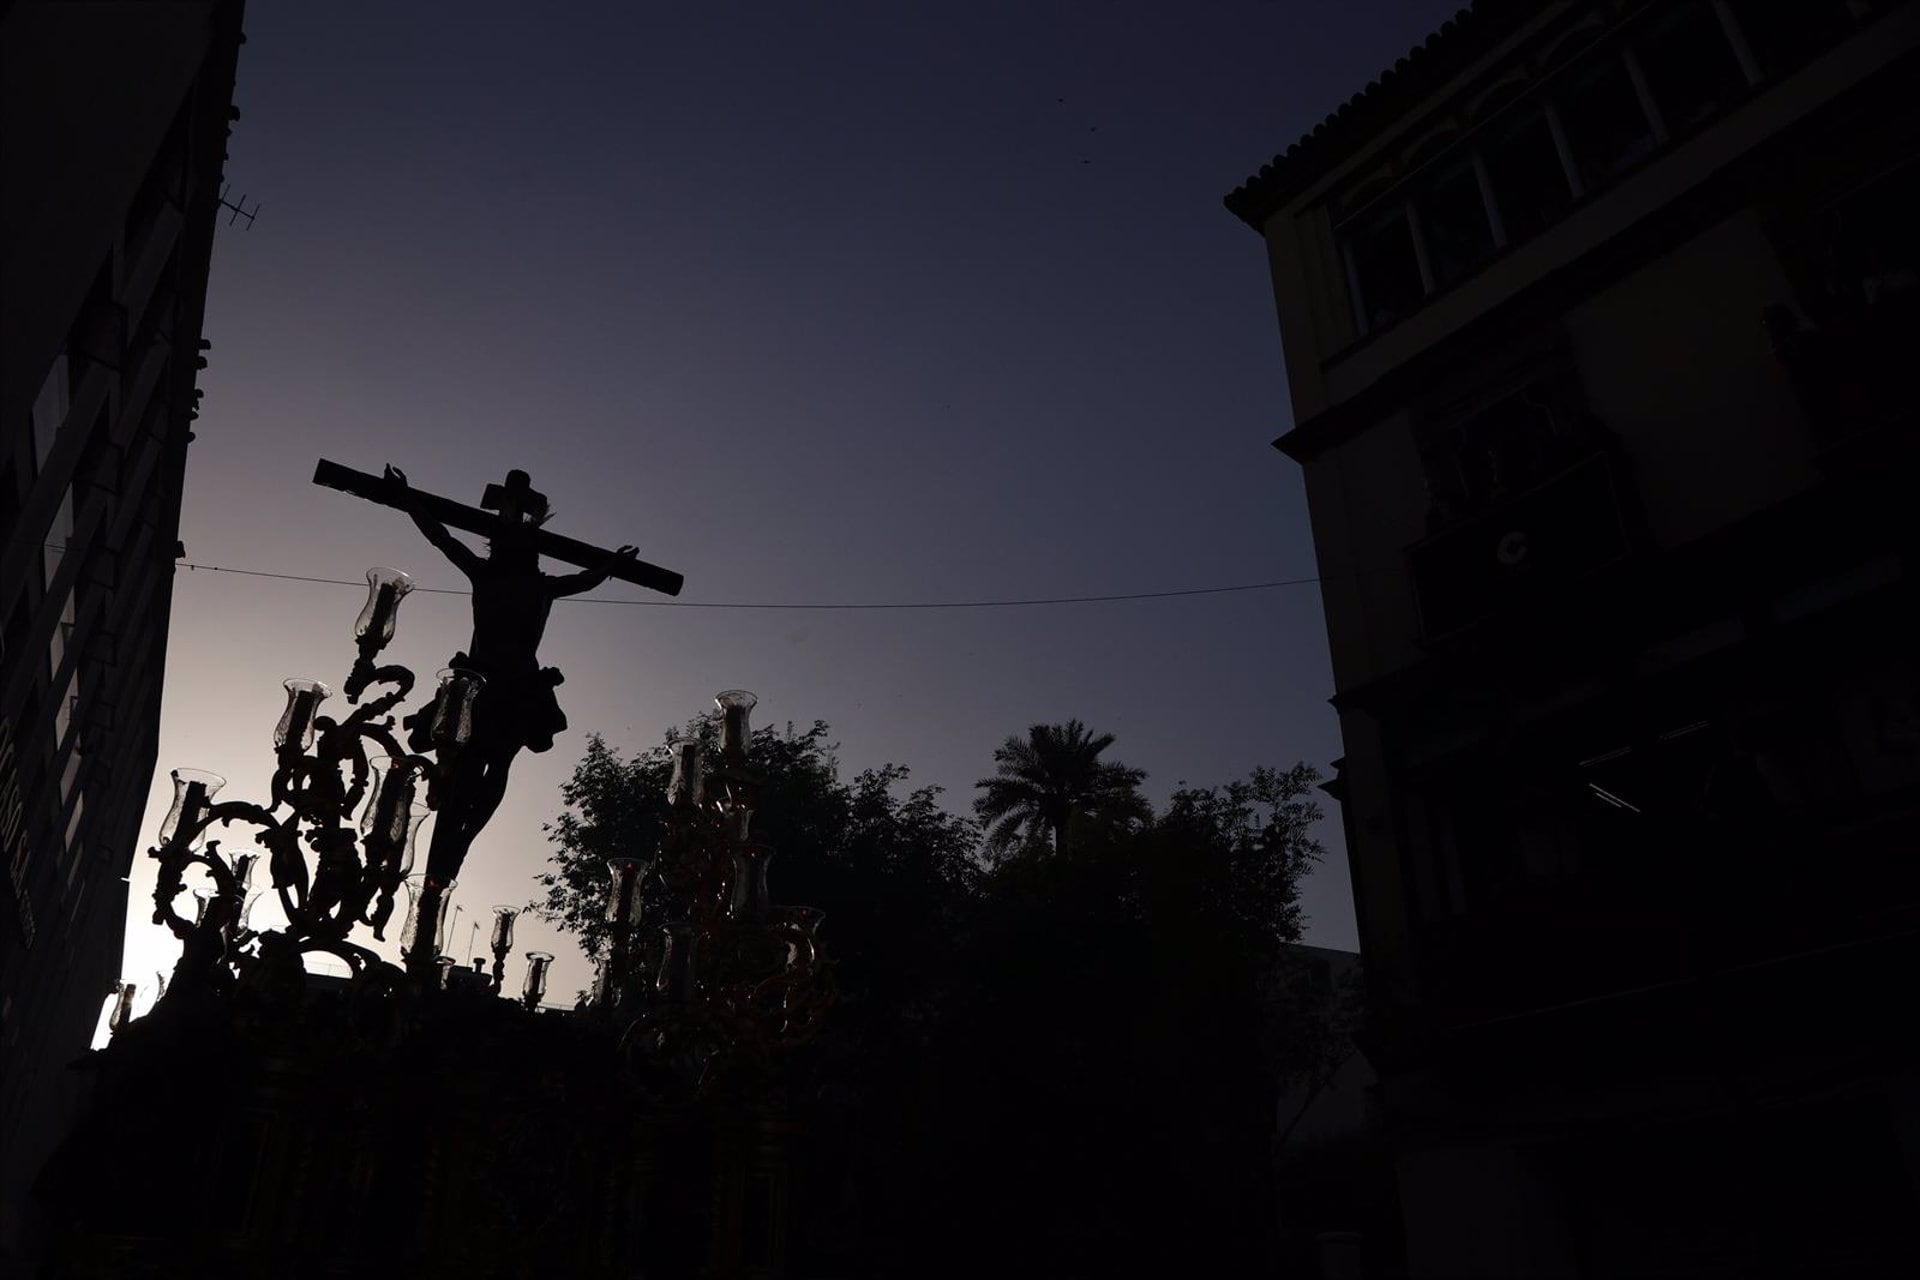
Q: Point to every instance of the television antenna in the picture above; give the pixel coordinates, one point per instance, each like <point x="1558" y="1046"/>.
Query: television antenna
<point x="239" y="209"/>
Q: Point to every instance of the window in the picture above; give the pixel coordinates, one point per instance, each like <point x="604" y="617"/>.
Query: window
<point x="50" y="410"/>
<point x="71" y="773"/>
<point x="62" y="636"/>
<point x="1502" y="449"/>
<point x="1484" y="836"/>
<point x="1385" y="268"/>
<point x="161" y="187"/>
<point x="1606" y="129"/>
<point x="1550" y="845"/>
<point x="63" y="712"/>
<point x="159" y="310"/>
<point x="58" y="535"/>
<point x="1784" y="34"/>
<point x="73" y="827"/>
<point x="1689" y="65"/>
<point x="1453" y="220"/>
<point x="1523" y="167"/>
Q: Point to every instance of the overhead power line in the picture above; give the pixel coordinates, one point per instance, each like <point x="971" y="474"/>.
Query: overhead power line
<point x="850" y="605"/>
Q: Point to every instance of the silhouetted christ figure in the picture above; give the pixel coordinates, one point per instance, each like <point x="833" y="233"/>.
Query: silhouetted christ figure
<point x="516" y="708"/>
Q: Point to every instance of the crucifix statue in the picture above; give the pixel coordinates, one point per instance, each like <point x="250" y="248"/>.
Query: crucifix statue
<point x="515" y="707"/>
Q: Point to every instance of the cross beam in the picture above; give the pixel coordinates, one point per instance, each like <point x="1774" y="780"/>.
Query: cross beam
<point x="456" y="516"/>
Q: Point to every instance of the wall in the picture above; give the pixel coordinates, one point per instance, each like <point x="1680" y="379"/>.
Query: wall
<point x="113" y="120"/>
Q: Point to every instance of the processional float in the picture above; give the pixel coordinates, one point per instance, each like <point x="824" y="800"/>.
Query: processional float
<point x="700" y="1012"/>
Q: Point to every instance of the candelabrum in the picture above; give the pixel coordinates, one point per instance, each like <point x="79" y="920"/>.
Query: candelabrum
<point x="739" y="980"/>
<point x="332" y="871"/>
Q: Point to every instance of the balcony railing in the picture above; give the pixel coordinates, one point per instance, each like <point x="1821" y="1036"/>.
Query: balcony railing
<point x="1631" y="93"/>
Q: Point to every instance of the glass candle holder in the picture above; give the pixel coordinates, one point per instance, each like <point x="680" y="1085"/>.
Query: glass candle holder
<point x="736" y="730"/>
<point x="122" y="1008"/>
<point x="684" y="790"/>
<point x="751" y="900"/>
<point x="387" y="818"/>
<point x="417" y="816"/>
<point x="502" y="940"/>
<point x="386" y="588"/>
<point x="535" y="987"/>
<point x="243" y="864"/>
<point x="429" y="908"/>
<point x="295" y="730"/>
<point x="193" y="792"/>
<point x="604" y="982"/>
<point x="806" y="921"/>
<point x="623" y="900"/>
<point x="410" y="927"/>
<point x="444" y="965"/>
<point x="675" y="981"/>
<point x="443" y="929"/>
<point x="453" y="707"/>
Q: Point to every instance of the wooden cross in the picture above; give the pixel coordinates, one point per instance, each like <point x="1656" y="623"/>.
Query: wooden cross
<point x="514" y="502"/>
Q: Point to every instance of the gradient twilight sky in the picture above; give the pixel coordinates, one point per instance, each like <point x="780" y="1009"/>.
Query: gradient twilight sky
<point x="811" y="302"/>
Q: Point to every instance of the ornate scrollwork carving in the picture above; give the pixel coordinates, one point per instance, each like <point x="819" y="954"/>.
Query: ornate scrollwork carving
<point x="329" y="878"/>
<point x="741" y="982"/>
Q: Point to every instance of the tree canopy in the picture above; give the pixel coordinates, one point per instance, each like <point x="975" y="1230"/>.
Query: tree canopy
<point x="1070" y="1030"/>
<point x="883" y="862"/>
<point x="1050" y="783"/>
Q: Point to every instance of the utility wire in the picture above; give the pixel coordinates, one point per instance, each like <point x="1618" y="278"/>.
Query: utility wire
<point x="696" y="604"/>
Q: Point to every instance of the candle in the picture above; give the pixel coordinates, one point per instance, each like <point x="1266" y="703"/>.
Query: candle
<point x="386" y="588"/>
<point x="735" y="731"/>
<point x="683" y="792"/>
<point x="295" y="730"/>
<point x="503" y="918"/>
<point x="624" y="900"/>
<point x="193" y="791"/>
<point x="536" y="984"/>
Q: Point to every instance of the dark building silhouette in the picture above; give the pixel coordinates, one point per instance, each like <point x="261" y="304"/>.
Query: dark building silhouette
<point x="113" y="121"/>
<point x="1599" y="321"/>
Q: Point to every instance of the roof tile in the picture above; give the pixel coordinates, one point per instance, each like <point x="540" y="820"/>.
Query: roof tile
<point x="1459" y="40"/>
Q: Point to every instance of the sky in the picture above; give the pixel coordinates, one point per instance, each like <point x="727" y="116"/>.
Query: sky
<point x="813" y="303"/>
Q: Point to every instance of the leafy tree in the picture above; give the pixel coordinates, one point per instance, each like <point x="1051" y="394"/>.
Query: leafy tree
<point x="1051" y="784"/>
<point x="1127" y="1028"/>
<point x="1079" y="1050"/>
<point x="1232" y="1001"/>
<point x="894" y="874"/>
<point x="884" y="867"/>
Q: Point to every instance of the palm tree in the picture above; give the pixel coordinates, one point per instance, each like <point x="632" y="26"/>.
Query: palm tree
<point x="1049" y="779"/>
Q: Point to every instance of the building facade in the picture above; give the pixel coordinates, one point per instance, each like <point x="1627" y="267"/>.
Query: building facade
<point x="1597" y="318"/>
<point x="113" y="125"/>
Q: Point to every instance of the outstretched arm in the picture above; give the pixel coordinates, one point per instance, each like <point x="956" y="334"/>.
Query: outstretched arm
<point x="451" y="547"/>
<point x="572" y="584"/>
